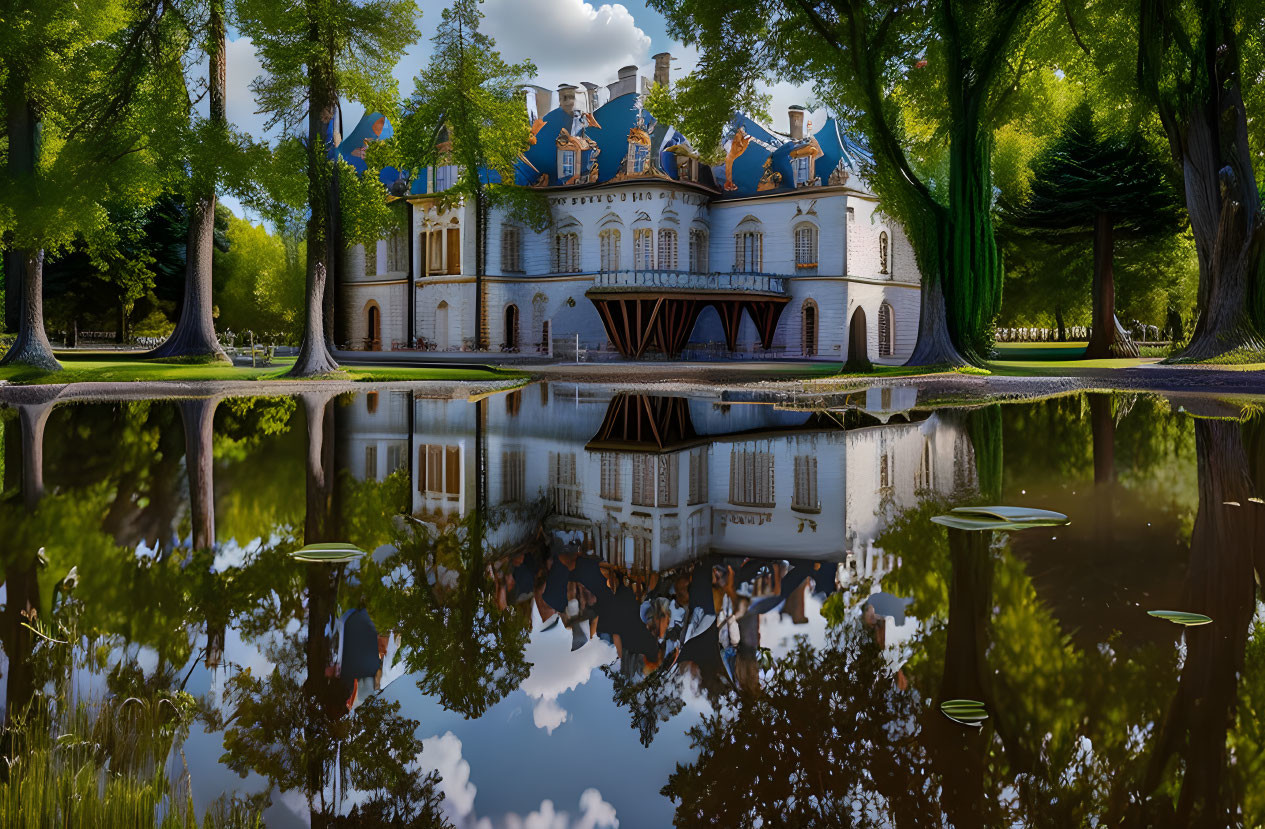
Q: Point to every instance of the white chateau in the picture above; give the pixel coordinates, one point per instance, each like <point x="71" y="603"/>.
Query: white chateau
<point x="782" y="249"/>
<point x="656" y="482"/>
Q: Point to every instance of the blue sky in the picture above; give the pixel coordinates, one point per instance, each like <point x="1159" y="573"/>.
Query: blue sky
<point x="569" y="41"/>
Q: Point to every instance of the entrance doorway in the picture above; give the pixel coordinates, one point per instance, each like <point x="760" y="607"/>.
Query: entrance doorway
<point x="441" y="327"/>
<point x="858" y="342"/>
<point x="511" y="328"/>
<point x="373" y="342"/>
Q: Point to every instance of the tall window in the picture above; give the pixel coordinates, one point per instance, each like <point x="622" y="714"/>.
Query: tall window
<point x="610" y="249"/>
<point x="610" y="476"/>
<point x="439" y="471"/>
<point x="513" y="476"/>
<point x="805" y="246"/>
<point x="643" y="249"/>
<point x="371" y="463"/>
<point x="924" y="466"/>
<point x="511" y="249"/>
<point x="882" y="252"/>
<point x="809" y="327"/>
<point x="751" y="477"/>
<point x="886" y="331"/>
<point x="884" y="471"/>
<point x="435" y="251"/>
<point x="698" y="250"/>
<point x="397" y="455"/>
<point x="566" y="487"/>
<point x="397" y="252"/>
<point x="698" y="476"/>
<point x="749" y="251"/>
<point x="667" y="250"/>
<point x="654" y="480"/>
<point x="566" y="253"/>
<point x="445" y="177"/>
<point x="804" y="498"/>
<point x="568" y="164"/>
<point x="371" y="259"/>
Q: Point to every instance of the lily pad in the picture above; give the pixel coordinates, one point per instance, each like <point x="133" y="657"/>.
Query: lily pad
<point x="1000" y="518"/>
<point x="336" y="552"/>
<point x="1181" y="617"/>
<point x="968" y="712"/>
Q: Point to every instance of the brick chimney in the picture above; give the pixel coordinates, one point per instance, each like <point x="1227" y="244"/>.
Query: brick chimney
<point x="662" y="64"/>
<point x="627" y="82"/>
<point x="796" y="115"/>
<point x="566" y="98"/>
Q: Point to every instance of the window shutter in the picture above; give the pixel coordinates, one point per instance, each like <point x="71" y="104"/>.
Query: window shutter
<point x="454" y="250"/>
<point x="421" y="248"/>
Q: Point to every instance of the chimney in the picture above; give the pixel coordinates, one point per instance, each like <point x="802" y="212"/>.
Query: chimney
<point x="662" y="63"/>
<point x="796" y="114"/>
<point x="566" y="98"/>
<point x="627" y="82"/>
<point x="590" y="94"/>
<point x="540" y="100"/>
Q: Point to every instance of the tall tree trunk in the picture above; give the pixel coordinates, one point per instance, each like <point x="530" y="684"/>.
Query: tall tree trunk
<point x="1206" y="125"/>
<point x="198" y="418"/>
<point x="32" y="347"/>
<point x="934" y="346"/>
<point x="314" y="355"/>
<point x="335" y="251"/>
<point x="23" y="127"/>
<point x="1107" y="339"/>
<point x="1058" y="323"/>
<point x="194" y="335"/>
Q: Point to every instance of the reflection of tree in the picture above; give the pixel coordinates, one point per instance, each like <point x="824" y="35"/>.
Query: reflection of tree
<point x="1221" y="584"/>
<point x="651" y="700"/>
<point x="828" y="733"/>
<point x="299" y="733"/>
<point x="461" y="645"/>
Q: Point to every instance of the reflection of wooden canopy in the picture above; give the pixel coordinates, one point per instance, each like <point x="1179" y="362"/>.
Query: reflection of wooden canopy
<point x="642" y="421"/>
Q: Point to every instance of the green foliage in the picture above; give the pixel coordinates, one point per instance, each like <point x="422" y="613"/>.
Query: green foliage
<point x="701" y="115"/>
<point x="259" y="281"/>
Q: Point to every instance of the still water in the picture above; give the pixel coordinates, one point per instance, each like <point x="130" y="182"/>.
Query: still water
<point x="595" y="610"/>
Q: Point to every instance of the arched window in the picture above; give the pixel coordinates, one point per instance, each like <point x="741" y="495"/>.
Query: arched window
<point x="886" y="331"/>
<point x="511" y="327"/>
<point x="805" y="246"/>
<point x="566" y="253"/>
<point x="511" y="249"/>
<point x="749" y="247"/>
<point x="808" y="320"/>
<point x="373" y="327"/>
<point x="698" y="250"/>
<point x="643" y="249"/>
<point x="610" y="249"/>
<point x="544" y="336"/>
<point x="667" y="250"/>
<point x="882" y="252"/>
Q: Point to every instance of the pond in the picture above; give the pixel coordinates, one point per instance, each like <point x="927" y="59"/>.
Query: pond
<point x="595" y="609"/>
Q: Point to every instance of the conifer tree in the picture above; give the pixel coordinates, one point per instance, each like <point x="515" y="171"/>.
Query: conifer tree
<point x="471" y="95"/>
<point x="1090" y="184"/>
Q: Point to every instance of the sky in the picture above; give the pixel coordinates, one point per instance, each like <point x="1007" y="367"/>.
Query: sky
<point x="569" y="41"/>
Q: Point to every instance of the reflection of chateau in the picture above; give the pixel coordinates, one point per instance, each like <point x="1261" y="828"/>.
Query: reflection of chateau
<point x="781" y="248"/>
<point x="653" y="482"/>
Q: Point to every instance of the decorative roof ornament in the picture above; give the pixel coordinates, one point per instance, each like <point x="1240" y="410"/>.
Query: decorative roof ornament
<point x="840" y="174"/>
<point x="737" y="146"/>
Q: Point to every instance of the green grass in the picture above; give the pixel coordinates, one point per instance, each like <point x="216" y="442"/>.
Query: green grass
<point x="100" y="368"/>
<point x="1035" y="368"/>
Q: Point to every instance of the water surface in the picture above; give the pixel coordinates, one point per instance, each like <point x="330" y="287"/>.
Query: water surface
<point x="583" y="608"/>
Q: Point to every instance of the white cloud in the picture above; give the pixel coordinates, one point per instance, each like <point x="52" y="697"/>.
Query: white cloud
<point x="443" y="754"/>
<point x="556" y="669"/>
<point x="569" y="40"/>
<point x="595" y="813"/>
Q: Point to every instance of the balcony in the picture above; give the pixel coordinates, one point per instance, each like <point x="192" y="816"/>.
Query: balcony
<point x="688" y="282"/>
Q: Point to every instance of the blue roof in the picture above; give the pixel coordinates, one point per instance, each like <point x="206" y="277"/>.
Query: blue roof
<point x="608" y="129"/>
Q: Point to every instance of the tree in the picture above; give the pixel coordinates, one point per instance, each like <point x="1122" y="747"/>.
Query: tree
<point x="194" y="335"/>
<point x="312" y="53"/>
<point x="259" y="280"/>
<point x="78" y="119"/>
<point x="1091" y="184"/>
<point x="1192" y="59"/>
<point x="471" y="95"/>
<point x="927" y="83"/>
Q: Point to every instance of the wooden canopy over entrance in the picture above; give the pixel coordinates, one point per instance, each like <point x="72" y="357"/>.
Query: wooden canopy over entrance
<point x="636" y="320"/>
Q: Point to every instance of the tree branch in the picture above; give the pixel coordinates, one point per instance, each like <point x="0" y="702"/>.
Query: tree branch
<point x="1067" y="11"/>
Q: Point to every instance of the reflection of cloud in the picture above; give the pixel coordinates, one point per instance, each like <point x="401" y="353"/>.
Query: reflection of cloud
<point x="443" y="754"/>
<point x="556" y="669"/>
<point x="595" y="813"/>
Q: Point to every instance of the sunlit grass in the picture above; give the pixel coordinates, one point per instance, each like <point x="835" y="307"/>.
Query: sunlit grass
<point x="98" y="368"/>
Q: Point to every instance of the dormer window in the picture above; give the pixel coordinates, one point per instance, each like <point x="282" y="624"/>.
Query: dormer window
<point x="641" y="154"/>
<point x="568" y="164"/>
<point x="803" y="170"/>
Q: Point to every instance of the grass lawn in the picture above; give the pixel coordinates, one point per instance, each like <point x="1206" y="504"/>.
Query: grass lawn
<point x="103" y="368"/>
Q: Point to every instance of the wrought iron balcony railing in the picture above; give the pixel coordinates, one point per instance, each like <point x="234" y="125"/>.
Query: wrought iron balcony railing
<point x="760" y="283"/>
